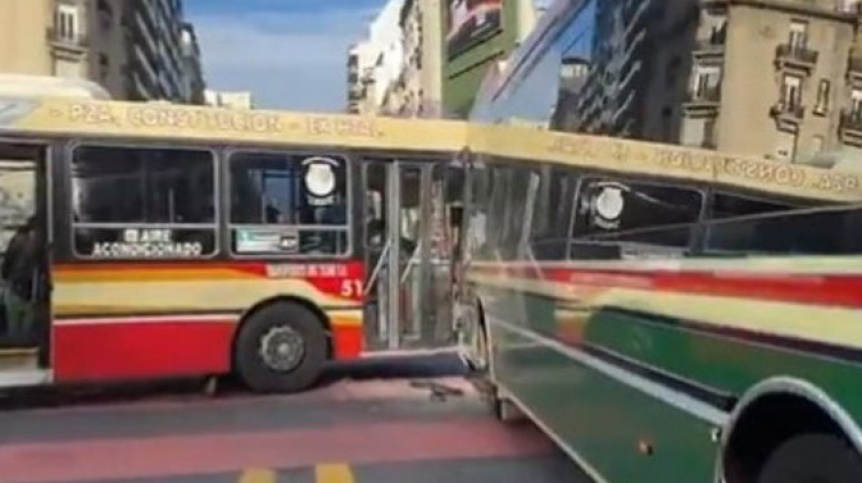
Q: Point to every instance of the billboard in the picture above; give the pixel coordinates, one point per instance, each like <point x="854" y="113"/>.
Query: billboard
<point x="469" y="22"/>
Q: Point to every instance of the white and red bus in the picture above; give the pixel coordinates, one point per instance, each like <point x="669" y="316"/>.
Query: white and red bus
<point x="171" y="241"/>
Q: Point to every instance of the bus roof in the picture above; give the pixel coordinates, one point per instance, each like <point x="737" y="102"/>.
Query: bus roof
<point x="74" y="117"/>
<point x="19" y="85"/>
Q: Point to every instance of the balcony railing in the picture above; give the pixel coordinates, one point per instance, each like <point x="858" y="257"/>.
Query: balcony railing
<point x="76" y="41"/>
<point x="795" y="56"/>
<point x="708" y="95"/>
<point x="712" y="44"/>
<point x="788" y="110"/>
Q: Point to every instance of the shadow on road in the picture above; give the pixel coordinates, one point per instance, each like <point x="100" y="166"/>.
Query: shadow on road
<point x="402" y="367"/>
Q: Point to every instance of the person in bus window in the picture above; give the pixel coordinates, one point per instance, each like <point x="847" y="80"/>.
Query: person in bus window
<point x="18" y="270"/>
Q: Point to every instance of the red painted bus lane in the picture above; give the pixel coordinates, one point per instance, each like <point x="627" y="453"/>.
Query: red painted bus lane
<point x="113" y="459"/>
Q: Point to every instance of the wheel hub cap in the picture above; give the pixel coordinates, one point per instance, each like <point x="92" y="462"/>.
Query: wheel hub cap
<point x="282" y="348"/>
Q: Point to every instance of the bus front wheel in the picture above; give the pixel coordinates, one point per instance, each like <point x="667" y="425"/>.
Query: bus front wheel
<point x="812" y="457"/>
<point x="281" y="348"/>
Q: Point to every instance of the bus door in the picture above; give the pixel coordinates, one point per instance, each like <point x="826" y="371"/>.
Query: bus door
<point x="408" y="246"/>
<point x="25" y="311"/>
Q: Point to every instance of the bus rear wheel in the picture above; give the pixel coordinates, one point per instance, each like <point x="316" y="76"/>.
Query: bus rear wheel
<point x="812" y="458"/>
<point x="281" y="348"/>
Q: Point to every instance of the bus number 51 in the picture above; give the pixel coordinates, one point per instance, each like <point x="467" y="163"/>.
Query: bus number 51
<point x="351" y="288"/>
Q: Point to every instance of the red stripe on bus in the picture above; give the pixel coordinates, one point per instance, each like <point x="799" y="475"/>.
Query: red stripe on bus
<point x="834" y="290"/>
<point x="149" y="349"/>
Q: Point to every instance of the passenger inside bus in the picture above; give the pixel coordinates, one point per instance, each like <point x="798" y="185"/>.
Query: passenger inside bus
<point x="18" y="270"/>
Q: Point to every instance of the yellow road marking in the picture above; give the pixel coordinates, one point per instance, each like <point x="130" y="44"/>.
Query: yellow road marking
<point x="333" y="473"/>
<point x="255" y="475"/>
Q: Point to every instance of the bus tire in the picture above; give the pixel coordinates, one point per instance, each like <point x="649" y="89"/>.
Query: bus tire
<point x="281" y="348"/>
<point x="812" y="457"/>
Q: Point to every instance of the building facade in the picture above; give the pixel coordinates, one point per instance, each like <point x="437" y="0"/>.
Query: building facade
<point x="381" y="55"/>
<point x="639" y="59"/>
<point x="776" y="79"/>
<point x="417" y="93"/>
<point x="156" y="66"/>
<point x="195" y="84"/>
<point x="135" y="49"/>
<point x="360" y="78"/>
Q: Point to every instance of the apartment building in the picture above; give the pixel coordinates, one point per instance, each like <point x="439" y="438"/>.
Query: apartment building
<point x="418" y="91"/>
<point x="377" y="62"/>
<point x="156" y="66"/>
<point x="777" y="79"/>
<point x="574" y="74"/>
<point x="638" y="63"/>
<point x="194" y="72"/>
<point x="770" y="78"/>
<point x="360" y="79"/>
<point x="135" y="49"/>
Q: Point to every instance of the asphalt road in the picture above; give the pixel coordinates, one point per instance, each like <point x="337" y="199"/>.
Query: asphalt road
<point x="392" y="422"/>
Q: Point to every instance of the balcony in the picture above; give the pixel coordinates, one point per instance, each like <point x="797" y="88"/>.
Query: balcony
<point x="355" y="92"/>
<point x="711" y="47"/>
<point x="797" y="57"/>
<point x="851" y="127"/>
<point x="75" y="43"/>
<point x="705" y="100"/>
<point x="787" y="115"/>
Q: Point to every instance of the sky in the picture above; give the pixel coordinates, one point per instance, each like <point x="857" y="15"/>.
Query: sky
<point x="291" y="54"/>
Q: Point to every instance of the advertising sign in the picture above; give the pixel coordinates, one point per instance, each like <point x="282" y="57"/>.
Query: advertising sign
<point x="470" y="21"/>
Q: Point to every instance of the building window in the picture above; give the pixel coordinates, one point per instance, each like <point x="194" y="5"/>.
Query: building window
<point x="823" y="91"/>
<point x="706" y="82"/>
<point x="104" y="65"/>
<point x="135" y="202"/>
<point x="66" y="22"/>
<point x="856" y="102"/>
<point x="106" y="14"/>
<point x="791" y="92"/>
<point x="798" y="37"/>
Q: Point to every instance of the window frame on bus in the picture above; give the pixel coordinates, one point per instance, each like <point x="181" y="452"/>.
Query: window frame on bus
<point x="229" y="156"/>
<point x="68" y="178"/>
<point x="586" y="176"/>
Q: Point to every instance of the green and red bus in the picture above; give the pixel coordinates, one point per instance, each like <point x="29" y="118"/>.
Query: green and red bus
<point x="665" y="314"/>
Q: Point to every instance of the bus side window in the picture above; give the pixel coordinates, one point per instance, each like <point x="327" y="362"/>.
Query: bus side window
<point x="726" y="206"/>
<point x="616" y="218"/>
<point x="515" y="211"/>
<point x="496" y="221"/>
<point x="552" y="213"/>
<point x="143" y="202"/>
<point x="823" y="231"/>
<point x="477" y="237"/>
<point x="288" y="204"/>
